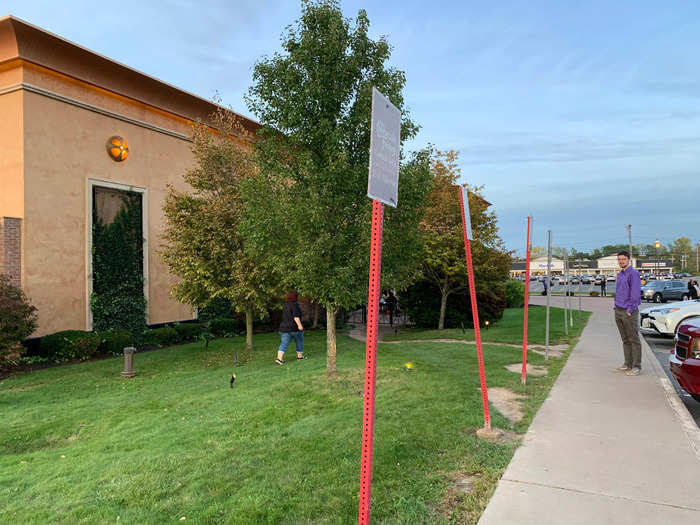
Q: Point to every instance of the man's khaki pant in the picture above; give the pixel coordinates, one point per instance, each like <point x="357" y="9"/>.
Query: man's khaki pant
<point x="628" y="325"/>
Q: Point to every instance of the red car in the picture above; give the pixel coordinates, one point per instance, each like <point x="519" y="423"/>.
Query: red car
<point x="685" y="357"/>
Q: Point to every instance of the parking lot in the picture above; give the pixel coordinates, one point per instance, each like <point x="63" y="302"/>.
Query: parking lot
<point x="661" y="346"/>
<point x="538" y="287"/>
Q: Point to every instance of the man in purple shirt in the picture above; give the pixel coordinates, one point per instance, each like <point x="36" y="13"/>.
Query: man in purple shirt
<point x="628" y="297"/>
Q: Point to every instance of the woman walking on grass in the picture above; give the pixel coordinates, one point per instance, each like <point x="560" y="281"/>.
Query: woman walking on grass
<point x="291" y="328"/>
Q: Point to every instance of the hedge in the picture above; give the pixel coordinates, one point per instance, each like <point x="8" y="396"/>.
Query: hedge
<point x="160" y="336"/>
<point x="222" y="327"/>
<point x="188" y="331"/>
<point x="69" y="344"/>
<point x="114" y="341"/>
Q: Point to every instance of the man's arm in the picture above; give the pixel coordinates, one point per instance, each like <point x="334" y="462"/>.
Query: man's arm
<point x="635" y="288"/>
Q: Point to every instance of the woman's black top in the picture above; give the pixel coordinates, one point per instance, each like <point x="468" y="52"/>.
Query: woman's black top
<point x="289" y="312"/>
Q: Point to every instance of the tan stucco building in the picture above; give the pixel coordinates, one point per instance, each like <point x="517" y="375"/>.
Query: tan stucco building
<point x="59" y="104"/>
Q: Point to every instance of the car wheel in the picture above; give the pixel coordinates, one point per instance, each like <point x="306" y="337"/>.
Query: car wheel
<point x="696" y="397"/>
<point x="684" y="298"/>
<point x="657" y="297"/>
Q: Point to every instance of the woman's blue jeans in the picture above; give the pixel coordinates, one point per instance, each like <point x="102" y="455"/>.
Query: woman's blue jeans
<point x="287" y="338"/>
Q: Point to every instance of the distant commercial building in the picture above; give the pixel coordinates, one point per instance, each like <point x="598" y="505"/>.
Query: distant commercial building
<point x="604" y="265"/>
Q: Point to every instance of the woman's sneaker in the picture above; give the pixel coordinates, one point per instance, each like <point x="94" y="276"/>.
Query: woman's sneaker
<point x="634" y="372"/>
<point x="622" y="369"/>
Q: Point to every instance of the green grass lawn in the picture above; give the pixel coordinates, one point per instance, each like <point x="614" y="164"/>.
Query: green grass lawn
<point x="508" y="330"/>
<point x="80" y="444"/>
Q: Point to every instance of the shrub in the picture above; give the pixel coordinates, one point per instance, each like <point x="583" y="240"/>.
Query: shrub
<point x="218" y="308"/>
<point x="222" y="327"/>
<point x="421" y="302"/>
<point x="17" y="318"/>
<point x="114" y="341"/>
<point x="160" y="336"/>
<point x="69" y="344"/>
<point x="515" y="294"/>
<point x="188" y="331"/>
<point x="594" y="294"/>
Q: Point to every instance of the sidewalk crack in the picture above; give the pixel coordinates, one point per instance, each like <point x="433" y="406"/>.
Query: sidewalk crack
<point x="590" y="493"/>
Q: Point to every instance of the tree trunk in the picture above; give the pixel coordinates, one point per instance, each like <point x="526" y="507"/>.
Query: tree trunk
<point x="249" y="329"/>
<point x="330" y="341"/>
<point x="443" y="307"/>
<point x="317" y="308"/>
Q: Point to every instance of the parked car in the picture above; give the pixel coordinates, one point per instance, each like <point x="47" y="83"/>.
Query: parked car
<point x="612" y="277"/>
<point x="599" y="279"/>
<point x="574" y="280"/>
<point x="666" y="319"/>
<point x="586" y="279"/>
<point x="662" y="291"/>
<point x="684" y="362"/>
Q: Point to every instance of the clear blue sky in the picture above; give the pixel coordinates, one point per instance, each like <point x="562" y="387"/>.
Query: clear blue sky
<point x="585" y="115"/>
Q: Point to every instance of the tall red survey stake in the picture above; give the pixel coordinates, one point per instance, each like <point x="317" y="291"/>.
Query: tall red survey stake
<point x="467" y="232"/>
<point x="382" y="187"/>
<point x="528" y="247"/>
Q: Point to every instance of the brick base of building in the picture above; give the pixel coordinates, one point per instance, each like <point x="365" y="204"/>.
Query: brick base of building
<point x="11" y="249"/>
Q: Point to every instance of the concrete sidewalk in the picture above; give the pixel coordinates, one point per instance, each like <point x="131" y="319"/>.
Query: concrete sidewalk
<point x="604" y="448"/>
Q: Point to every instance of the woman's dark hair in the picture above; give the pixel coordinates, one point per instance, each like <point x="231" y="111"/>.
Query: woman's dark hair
<point x="292" y="296"/>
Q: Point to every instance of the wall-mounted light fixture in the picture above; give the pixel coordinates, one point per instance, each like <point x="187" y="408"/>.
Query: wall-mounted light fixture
<point x="117" y="148"/>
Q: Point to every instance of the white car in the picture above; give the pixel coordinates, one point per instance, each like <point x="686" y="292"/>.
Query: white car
<point x="667" y="318"/>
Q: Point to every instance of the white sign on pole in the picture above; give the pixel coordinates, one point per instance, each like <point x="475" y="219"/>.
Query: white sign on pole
<point x="467" y="218"/>
<point x="385" y="143"/>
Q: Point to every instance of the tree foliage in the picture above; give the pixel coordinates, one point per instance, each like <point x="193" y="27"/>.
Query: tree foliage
<point x="203" y="245"/>
<point x="444" y="263"/>
<point x="308" y="213"/>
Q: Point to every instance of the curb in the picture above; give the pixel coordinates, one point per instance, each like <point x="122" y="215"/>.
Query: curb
<point x="691" y="430"/>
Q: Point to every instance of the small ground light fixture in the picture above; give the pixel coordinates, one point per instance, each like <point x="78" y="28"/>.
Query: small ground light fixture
<point x="487" y="323"/>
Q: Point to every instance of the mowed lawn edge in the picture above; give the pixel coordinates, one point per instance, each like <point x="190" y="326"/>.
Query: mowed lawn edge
<point x="509" y="329"/>
<point x="79" y="443"/>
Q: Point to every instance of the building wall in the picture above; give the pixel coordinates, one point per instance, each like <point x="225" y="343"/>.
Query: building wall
<point x="11" y="135"/>
<point x="64" y="146"/>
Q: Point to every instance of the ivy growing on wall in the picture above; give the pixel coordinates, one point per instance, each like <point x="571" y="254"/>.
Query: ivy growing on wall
<point x="117" y="300"/>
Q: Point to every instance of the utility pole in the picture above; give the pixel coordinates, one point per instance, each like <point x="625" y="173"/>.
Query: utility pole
<point x="566" y="312"/>
<point x="569" y="292"/>
<point x="629" y="238"/>
<point x="549" y="291"/>
<point x="697" y="258"/>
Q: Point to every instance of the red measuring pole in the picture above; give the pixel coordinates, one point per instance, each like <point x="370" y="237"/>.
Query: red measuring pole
<point x="375" y="271"/>
<point x="527" y="298"/>
<point x="475" y="312"/>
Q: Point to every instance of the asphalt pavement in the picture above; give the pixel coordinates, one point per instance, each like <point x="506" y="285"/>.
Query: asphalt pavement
<point x="661" y="347"/>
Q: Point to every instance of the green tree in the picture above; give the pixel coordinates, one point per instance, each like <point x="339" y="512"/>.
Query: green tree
<point x="203" y="245"/>
<point x="308" y="213"/>
<point x="681" y="249"/>
<point x="444" y="263"/>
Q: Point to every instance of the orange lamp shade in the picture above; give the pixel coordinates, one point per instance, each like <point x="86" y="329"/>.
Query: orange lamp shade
<point x="117" y="148"/>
